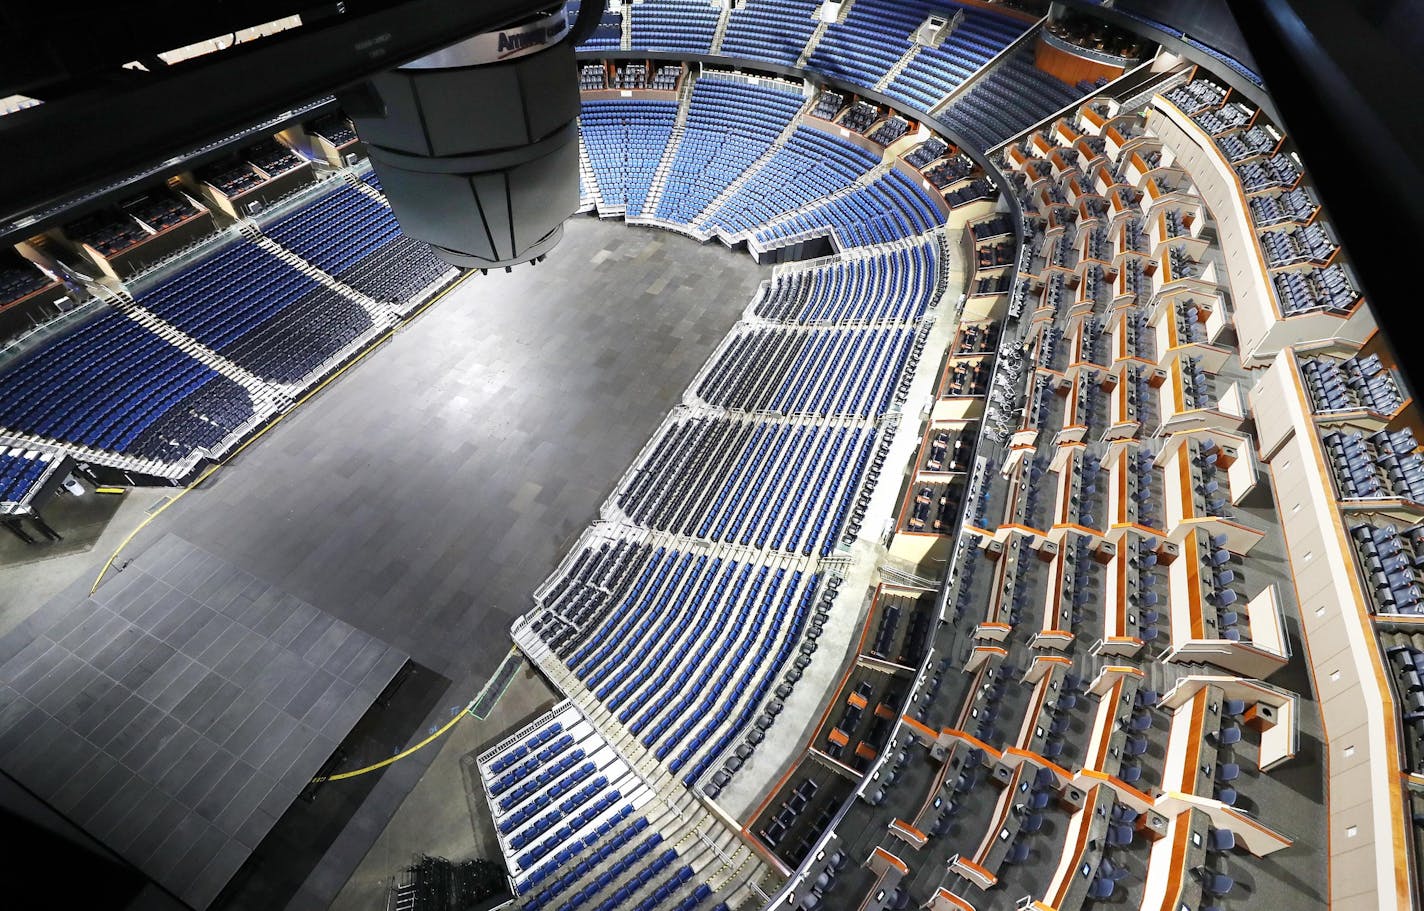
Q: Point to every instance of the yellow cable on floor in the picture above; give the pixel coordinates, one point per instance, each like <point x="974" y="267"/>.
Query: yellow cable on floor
<point x="212" y="469"/>
<point x="427" y="741"/>
<point x="207" y="473"/>
<point x="401" y="755"/>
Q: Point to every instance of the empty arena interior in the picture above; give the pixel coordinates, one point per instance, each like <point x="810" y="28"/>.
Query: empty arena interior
<point x="882" y="454"/>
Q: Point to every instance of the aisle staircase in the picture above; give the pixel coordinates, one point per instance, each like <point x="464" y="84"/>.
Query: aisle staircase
<point x="679" y="127"/>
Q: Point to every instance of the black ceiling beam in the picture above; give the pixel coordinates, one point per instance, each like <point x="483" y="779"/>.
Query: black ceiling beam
<point x="75" y="144"/>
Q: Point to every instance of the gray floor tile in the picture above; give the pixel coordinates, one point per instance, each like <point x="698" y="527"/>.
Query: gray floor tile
<point x="530" y="412"/>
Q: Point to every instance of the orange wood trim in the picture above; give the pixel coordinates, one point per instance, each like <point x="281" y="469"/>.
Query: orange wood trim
<point x="954" y="899"/>
<point x="1181" y="838"/>
<point x="1194" y="595"/>
<point x="923" y="729"/>
<point x="1089" y="805"/>
<point x="890" y="859"/>
<point x="906" y="827"/>
<point x="1195" y="735"/>
<point x="974" y="741"/>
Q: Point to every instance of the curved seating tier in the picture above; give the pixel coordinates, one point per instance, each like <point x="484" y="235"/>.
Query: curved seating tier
<point x="356" y="238"/>
<point x="674" y="25"/>
<point x="895" y="285"/>
<point x="772" y="30"/>
<point x="684" y="648"/>
<point x="112" y="384"/>
<point x="756" y="483"/>
<point x="730" y="124"/>
<point x="888" y="208"/>
<point x="791" y="371"/>
<point x="935" y="72"/>
<point x="812" y="164"/>
<point x="1010" y="98"/>
<point x="625" y="139"/>
<point x="257" y="310"/>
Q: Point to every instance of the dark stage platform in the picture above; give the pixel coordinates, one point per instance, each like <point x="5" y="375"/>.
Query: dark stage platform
<point x="177" y="713"/>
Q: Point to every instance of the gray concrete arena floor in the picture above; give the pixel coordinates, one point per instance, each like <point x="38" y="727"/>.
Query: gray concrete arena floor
<point x="425" y="493"/>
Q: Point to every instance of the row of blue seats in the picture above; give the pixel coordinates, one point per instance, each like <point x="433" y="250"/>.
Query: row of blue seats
<point x="1243" y="144"/>
<point x="1296" y="205"/>
<point x="1353" y="382"/>
<point x="838" y="371"/>
<point x="869" y="368"/>
<point x="758" y="691"/>
<point x="524" y="814"/>
<point x="656" y="699"/>
<point x="220" y="298"/>
<point x="300" y="337"/>
<point x="1196" y="96"/>
<point x="1222" y="120"/>
<point x="20" y="471"/>
<point x="356" y="238"/>
<point x="520" y="750"/>
<point x="674" y="25"/>
<point x="689" y="620"/>
<point x="618" y="867"/>
<point x="1297" y="245"/>
<point x="890" y="208"/>
<point x="730" y="124"/>
<point x="645" y="876"/>
<point x="895" y="285"/>
<point x="1007" y="100"/>
<point x="714" y="696"/>
<point x="935" y="72"/>
<point x="1315" y="289"/>
<point x="1405" y="652"/>
<point x="541" y="799"/>
<point x="606" y="576"/>
<point x="112" y="384"/>
<point x="575" y="824"/>
<point x="871" y="39"/>
<point x="336" y="230"/>
<point x="603" y="859"/>
<point x="650" y="565"/>
<point x="1278" y="171"/>
<point x="811" y="165"/>
<point x="670" y="593"/>
<point x="548" y="779"/>
<point x="1393" y="560"/>
<point x="542" y="756"/>
<point x="607" y="35"/>
<point x="707" y="624"/>
<point x="773" y="30"/>
<point x="667" y="624"/>
<point x="730" y="481"/>
<point x="575" y="848"/>
<point x="19" y="277"/>
<point x="258" y="311"/>
<point x="625" y="139"/>
<point x="862" y="48"/>
<point x="1381" y="464"/>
